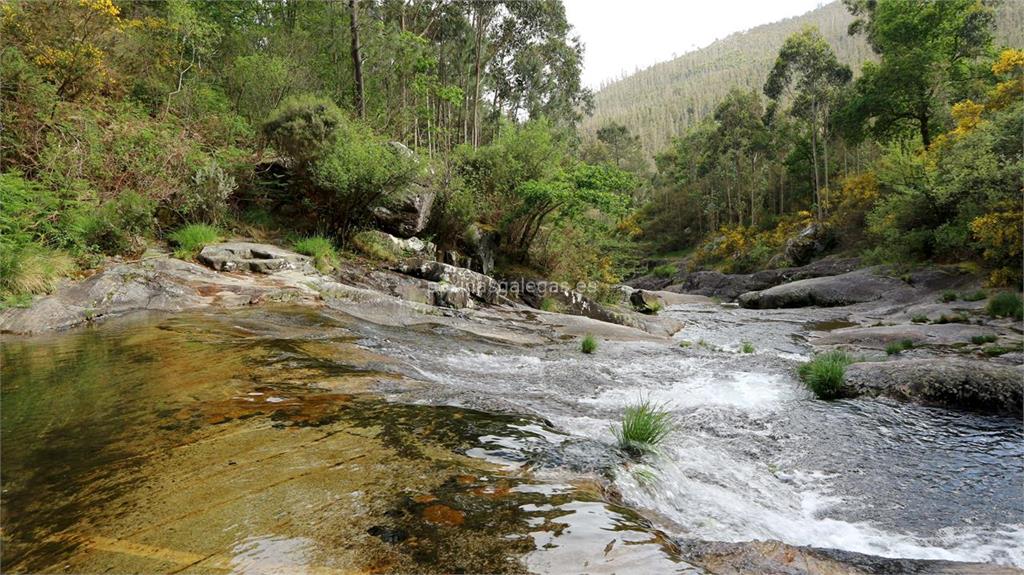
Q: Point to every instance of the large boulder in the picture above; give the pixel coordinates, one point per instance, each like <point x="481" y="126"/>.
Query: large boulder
<point x="250" y="257"/>
<point x="844" y="289"/>
<point x="811" y="242"/>
<point x="968" y="384"/>
<point x="481" y="287"/>
<point x="651" y="301"/>
<point x="482" y="245"/>
<point x="730" y="286"/>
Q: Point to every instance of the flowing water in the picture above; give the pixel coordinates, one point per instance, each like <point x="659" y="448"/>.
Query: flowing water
<point x="284" y="440"/>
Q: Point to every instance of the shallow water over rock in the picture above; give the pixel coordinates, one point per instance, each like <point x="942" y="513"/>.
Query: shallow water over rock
<point x="285" y="440"/>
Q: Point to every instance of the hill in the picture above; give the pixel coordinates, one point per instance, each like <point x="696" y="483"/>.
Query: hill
<point x="661" y="102"/>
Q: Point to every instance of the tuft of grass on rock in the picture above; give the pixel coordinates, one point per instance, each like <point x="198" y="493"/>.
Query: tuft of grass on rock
<point x="191" y="239"/>
<point x="948" y="296"/>
<point x="747" y="347"/>
<point x="30" y="270"/>
<point x="974" y="296"/>
<point x="823" y="375"/>
<point x="898" y="347"/>
<point x="321" y="249"/>
<point x="1005" y="304"/>
<point x="589" y="344"/>
<point x="664" y="271"/>
<point x="981" y="339"/>
<point x="920" y="318"/>
<point x="644" y="426"/>
<point x="550" y="304"/>
<point x="996" y="350"/>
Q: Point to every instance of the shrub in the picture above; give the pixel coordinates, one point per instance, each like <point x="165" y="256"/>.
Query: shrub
<point x="948" y="296"/>
<point x="301" y="126"/>
<point x="747" y="347"/>
<point x="644" y="426"/>
<point x="191" y="239"/>
<point x="588" y="344"/>
<point x="823" y="375"/>
<point x="1005" y="304"/>
<point x="325" y="257"/>
<point x="664" y="271"/>
<point x="897" y="347"/>
<point x="119" y="226"/>
<point x="549" y="304"/>
<point x="980" y="339"/>
<point x="206" y="198"/>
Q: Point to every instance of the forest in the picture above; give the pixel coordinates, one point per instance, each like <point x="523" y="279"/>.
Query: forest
<point x="186" y="121"/>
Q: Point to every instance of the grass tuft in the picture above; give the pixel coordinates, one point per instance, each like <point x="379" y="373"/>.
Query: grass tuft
<point x="31" y="270"/>
<point x="645" y="425"/>
<point x="664" y="271"/>
<point x="325" y="257"/>
<point x="1005" y="304"/>
<point x="948" y="296"/>
<point x="974" y="296"/>
<point x="550" y="304"/>
<point x="191" y="239"/>
<point x="589" y="344"/>
<point x="980" y="339"/>
<point x="747" y="347"/>
<point x="920" y="318"/>
<point x="823" y="375"/>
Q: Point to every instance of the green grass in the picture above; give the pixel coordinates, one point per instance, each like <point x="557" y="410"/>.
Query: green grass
<point x="376" y="247"/>
<point x="898" y="347"/>
<point x="588" y="344"/>
<point x="29" y="270"/>
<point x="948" y="296"/>
<point x="919" y="319"/>
<point x="955" y="318"/>
<point x="653" y="308"/>
<point x="550" y="304"/>
<point x="191" y="239"/>
<point x="645" y="425"/>
<point x="974" y="296"/>
<point x="747" y="347"/>
<point x="1005" y="304"/>
<point x="686" y="343"/>
<point x="980" y="339"/>
<point x="664" y="271"/>
<point x="823" y="375"/>
<point x="325" y="257"/>
<point x="996" y="350"/>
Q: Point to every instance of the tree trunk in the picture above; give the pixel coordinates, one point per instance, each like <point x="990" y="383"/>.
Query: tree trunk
<point x="357" y="60"/>
<point x="814" y="156"/>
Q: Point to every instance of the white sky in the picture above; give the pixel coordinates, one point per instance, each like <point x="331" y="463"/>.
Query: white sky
<point x="626" y="35"/>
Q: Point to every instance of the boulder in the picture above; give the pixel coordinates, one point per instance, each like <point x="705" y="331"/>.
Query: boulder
<point x="480" y="286"/>
<point x="250" y="257"/>
<point x="844" y="289"/>
<point x="455" y="297"/>
<point x="408" y="214"/>
<point x="645" y="301"/>
<point x="967" y="384"/>
<point x="395" y="247"/>
<point x="811" y="242"/>
<point x="482" y="244"/>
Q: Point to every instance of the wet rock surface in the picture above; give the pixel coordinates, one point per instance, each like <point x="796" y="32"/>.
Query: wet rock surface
<point x="840" y="290"/>
<point x="974" y="385"/>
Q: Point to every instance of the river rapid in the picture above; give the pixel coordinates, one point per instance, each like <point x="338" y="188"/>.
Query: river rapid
<point x="290" y="440"/>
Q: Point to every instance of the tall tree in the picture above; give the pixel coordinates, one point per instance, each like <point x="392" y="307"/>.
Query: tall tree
<point x="807" y="63"/>
<point x="357" y="59"/>
<point x="927" y="50"/>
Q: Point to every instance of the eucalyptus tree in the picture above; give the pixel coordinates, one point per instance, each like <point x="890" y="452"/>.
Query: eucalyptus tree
<point x="807" y="71"/>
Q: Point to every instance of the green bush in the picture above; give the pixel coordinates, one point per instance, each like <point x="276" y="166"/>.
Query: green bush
<point x="644" y="426"/>
<point x="119" y="226"/>
<point x="664" y="271"/>
<point x="205" y="199"/>
<point x="550" y="304"/>
<point x="1005" y="304"/>
<point x="823" y="375"/>
<point x="191" y="239"/>
<point x="325" y="257"/>
<point x="588" y="344"/>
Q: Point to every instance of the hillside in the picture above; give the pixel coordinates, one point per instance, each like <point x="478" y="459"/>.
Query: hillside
<point x="660" y="102"/>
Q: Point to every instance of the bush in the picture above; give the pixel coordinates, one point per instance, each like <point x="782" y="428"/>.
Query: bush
<point x="205" y="200"/>
<point x="549" y="304"/>
<point x="644" y="426"/>
<point x="302" y="126"/>
<point x="325" y="257"/>
<point x="1005" y="304"/>
<point x="948" y="296"/>
<point x="191" y="239"/>
<point x="823" y="375"/>
<point x="664" y="271"/>
<point x="589" y="344"/>
<point x="120" y="226"/>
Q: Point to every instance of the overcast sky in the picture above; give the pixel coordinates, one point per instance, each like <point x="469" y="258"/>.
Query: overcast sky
<point x="625" y="35"/>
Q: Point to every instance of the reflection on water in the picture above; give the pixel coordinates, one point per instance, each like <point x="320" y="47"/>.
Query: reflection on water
<point x="252" y="442"/>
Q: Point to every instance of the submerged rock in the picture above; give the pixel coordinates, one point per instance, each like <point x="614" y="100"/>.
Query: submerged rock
<point x="972" y="385"/>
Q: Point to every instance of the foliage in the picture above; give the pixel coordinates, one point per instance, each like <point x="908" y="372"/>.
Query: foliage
<point x="191" y="239"/>
<point x="321" y="249"/>
<point x="205" y="200"/>
<point x="824" y="374"/>
<point x="375" y="246"/>
<point x="897" y="347"/>
<point x="30" y="269"/>
<point x="588" y="344"/>
<point x="747" y="347"/>
<point x="645" y="425"/>
<point x="1005" y="304"/>
<point x="664" y="271"/>
<point x="981" y="339"/>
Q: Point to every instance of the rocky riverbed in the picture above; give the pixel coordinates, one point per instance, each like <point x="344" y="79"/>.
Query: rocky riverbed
<point x="460" y="428"/>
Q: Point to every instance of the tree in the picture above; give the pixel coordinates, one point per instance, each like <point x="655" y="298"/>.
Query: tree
<point x="928" y="51"/>
<point x="807" y="63"/>
<point x="357" y="59"/>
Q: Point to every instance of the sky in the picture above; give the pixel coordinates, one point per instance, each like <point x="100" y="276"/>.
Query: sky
<point x="627" y="35"/>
